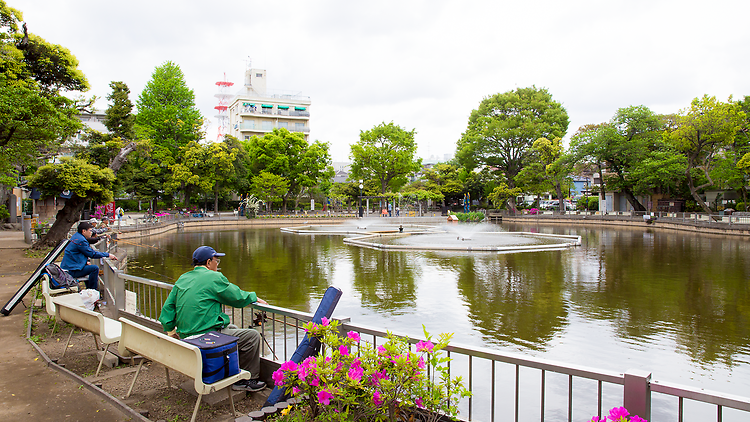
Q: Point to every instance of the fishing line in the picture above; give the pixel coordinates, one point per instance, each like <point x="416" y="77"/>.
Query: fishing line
<point x="149" y="246"/>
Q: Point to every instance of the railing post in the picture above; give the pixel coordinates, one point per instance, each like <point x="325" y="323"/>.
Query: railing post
<point x="118" y="290"/>
<point x="637" y="396"/>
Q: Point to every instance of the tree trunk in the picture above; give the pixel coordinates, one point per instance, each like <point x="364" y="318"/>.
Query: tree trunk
<point x="694" y="192"/>
<point x="64" y="220"/>
<point x="216" y="202"/>
<point x="71" y="211"/>
<point x="634" y="201"/>
<point x="560" y="200"/>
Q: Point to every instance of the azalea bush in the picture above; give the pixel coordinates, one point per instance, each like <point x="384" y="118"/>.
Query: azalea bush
<point x="354" y="381"/>
<point x="618" y="414"/>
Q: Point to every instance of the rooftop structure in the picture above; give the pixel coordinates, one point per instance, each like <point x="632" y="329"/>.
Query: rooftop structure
<point x="256" y="111"/>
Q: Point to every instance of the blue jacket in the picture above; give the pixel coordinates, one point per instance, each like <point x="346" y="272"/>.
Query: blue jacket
<point x="78" y="252"/>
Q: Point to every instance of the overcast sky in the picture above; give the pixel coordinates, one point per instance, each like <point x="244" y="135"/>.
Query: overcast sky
<point x="424" y="65"/>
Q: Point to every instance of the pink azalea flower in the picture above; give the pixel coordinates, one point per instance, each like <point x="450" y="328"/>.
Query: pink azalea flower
<point x="344" y="350"/>
<point x="324" y="321"/>
<point x="425" y="346"/>
<point x="288" y="366"/>
<point x="353" y="335"/>
<point x="382" y="351"/>
<point x="596" y="419"/>
<point x="324" y="397"/>
<point x="278" y="377"/>
<point x="295" y="390"/>
<point x="637" y="418"/>
<point x="419" y="402"/>
<point x="420" y="363"/>
<point x="355" y="373"/>
<point x="376" y="398"/>
<point x="315" y="381"/>
<point x="339" y="366"/>
<point x="618" y="413"/>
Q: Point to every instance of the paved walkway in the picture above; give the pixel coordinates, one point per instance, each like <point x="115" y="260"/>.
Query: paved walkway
<point x="29" y="390"/>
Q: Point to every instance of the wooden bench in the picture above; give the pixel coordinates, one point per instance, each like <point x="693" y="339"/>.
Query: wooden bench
<point x="48" y="293"/>
<point x="173" y="354"/>
<point x="107" y="329"/>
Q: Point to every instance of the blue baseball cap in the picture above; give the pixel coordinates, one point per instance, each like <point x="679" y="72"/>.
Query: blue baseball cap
<point x="204" y="253"/>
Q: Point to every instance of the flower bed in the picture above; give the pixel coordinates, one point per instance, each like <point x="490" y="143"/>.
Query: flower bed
<point x="353" y="381"/>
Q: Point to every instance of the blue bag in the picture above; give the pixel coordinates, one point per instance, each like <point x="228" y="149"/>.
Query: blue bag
<point x="220" y="356"/>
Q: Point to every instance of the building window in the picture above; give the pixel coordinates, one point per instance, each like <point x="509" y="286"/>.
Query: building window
<point x="247" y="137"/>
<point x="284" y="125"/>
<point x="299" y="127"/>
<point x="267" y="125"/>
<point x="258" y="75"/>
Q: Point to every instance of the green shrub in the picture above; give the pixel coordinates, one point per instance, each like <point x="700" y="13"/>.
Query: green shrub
<point x="469" y="216"/>
<point x="740" y="206"/>
<point x="593" y="203"/>
<point x="4" y="213"/>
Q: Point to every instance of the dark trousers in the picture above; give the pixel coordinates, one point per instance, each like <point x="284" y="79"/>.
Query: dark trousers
<point x="92" y="271"/>
<point x="249" y="348"/>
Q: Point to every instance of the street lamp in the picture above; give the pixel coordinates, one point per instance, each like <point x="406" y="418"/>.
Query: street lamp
<point x="361" y="185"/>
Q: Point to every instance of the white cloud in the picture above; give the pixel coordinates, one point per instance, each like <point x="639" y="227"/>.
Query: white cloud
<point x="422" y="64"/>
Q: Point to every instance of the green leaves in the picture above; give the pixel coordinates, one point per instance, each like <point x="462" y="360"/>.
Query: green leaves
<point x="385" y="153"/>
<point x="81" y="178"/>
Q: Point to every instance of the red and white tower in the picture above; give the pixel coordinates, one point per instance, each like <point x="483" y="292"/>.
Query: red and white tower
<point x="223" y="118"/>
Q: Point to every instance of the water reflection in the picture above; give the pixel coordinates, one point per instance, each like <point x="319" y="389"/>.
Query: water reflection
<point x="674" y="303"/>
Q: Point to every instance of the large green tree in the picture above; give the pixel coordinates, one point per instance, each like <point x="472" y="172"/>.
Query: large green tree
<point x="501" y="131"/>
<point x="287" y="154"/>
<point x="167" y="115"/>
<point x="385" y="154"/>
<point x="619" y="147"/>
<point x="701" y="132"/>
<point x="36" y="113"/>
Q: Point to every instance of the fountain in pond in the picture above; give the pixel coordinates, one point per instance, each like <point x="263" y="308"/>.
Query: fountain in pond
<point x="482" y="237"/>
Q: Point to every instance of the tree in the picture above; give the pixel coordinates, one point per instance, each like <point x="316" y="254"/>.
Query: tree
<point x="620" y="146"/>
<point x="35" y="115"/>
<point x="120" y="119"/>
<point x="701" y="131"/>
<point x="269" y="186"/>
<point x="556" y="165"/>
<point x="385" y="153"/>
<point x="167" y="115"/>
<point x="501" y="131"/>
<point x="444" y="178"/>
<point x="288" y="155"/>
<point x="189" y="175"/>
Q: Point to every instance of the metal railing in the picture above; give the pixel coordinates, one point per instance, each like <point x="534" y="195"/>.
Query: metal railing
<point x="692" y="218"/>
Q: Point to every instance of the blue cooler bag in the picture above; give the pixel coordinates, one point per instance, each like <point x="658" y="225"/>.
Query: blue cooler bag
<point x="220" y="357"/>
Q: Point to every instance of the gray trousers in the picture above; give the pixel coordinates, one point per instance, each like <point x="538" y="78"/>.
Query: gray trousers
<point x="249" y="348"/>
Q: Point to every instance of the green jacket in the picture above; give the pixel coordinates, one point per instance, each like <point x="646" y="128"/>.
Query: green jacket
<point x="194" y="304"/>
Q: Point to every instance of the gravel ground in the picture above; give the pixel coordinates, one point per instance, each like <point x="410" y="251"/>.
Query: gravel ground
<point x="150" y="393"/>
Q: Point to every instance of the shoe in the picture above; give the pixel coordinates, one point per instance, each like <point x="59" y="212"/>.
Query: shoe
<point x="249" y="385"/>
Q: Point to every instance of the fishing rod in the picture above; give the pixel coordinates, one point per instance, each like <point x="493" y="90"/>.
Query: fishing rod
<point x="148" y="246"/>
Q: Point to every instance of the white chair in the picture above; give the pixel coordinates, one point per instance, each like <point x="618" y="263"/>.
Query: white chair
<point x="172" y="353"/>
<point x="48" y="293"/>
<point x="108" y="329"/>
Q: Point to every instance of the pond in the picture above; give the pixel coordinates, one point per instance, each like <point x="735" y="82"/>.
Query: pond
<point x="674" y="303"/>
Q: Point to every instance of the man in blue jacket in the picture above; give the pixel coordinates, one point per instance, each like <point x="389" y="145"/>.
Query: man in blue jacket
<point x="77" y="254"/>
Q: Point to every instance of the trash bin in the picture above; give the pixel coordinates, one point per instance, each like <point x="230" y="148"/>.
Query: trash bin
<point x="86" y="215"/>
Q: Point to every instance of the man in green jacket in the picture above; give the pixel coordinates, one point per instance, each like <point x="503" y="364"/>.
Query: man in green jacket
<point x="194" y="307"/>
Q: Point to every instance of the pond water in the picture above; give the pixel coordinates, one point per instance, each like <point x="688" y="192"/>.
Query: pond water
<point x="674" y="303"/>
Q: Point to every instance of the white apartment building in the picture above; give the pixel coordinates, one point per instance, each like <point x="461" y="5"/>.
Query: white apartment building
<point x="254" y="111"/>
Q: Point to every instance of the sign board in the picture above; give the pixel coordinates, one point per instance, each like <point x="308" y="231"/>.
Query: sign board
<point x="109" y="210"/>
<point x="131" y="300"/>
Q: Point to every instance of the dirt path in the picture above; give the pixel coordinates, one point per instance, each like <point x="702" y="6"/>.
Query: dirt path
<point x="30" y="390"/>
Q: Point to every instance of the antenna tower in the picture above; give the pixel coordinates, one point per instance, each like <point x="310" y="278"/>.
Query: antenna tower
<point x="223" y="95"/>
